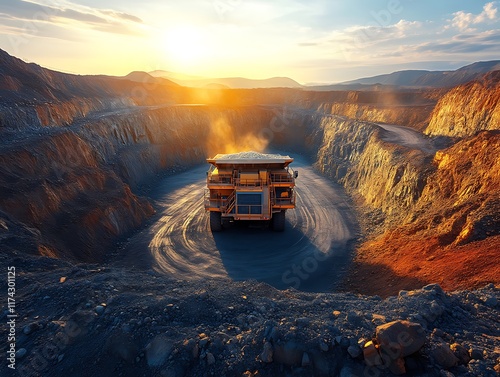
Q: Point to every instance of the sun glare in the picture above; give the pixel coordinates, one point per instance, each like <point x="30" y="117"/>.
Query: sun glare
<point x="185" y="45"/>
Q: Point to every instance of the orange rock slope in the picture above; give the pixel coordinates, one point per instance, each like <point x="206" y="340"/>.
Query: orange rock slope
<point x="453" y="237"/>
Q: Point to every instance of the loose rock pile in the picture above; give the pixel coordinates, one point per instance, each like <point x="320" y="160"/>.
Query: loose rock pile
<point x="250" y="156"/>
<point x="106" y="321"/>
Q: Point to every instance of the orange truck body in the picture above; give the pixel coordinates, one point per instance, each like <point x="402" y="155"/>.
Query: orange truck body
<point x="249" y="186"/>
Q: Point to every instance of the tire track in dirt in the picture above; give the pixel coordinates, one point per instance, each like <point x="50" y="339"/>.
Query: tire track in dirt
<point x="310" y="255"/>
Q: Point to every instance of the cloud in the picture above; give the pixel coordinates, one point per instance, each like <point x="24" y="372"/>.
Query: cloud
<point x="413" y="40"/>
<point x="123" y="16"/>
<point x="72" y="14"/>
<point x="489" y="12"/>
<point x="488" y="41"/>
<point x="64" y="12"/>
<point x="19" y="31"/>
<point x="463" y="21"/>
<point x="359" y="37"/>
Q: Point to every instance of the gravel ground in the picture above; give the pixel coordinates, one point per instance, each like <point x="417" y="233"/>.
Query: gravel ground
<point x="87" y="320"/>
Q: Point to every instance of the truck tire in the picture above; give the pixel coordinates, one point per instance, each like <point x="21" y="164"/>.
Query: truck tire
<point x="278" y="221"/>
<point x="215" y="221"/>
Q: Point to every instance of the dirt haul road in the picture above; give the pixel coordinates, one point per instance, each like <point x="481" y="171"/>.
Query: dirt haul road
<point x="310" y="254"/>
<point x="406" y="136"/>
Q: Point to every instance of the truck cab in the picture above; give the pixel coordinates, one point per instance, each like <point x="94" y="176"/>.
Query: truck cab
<point x="250" y="186"/>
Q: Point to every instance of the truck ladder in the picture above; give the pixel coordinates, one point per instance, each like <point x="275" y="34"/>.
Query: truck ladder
<point x="231" y="201"/>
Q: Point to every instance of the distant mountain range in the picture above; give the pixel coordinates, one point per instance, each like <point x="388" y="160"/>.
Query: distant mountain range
<point x="22" y="82"/>
<point x="227" y="82"/>
<point x="421" y="78"/>
<point x="406" y="78"/>
<point x="146" y="78"/>
<point x="31" y="81"/>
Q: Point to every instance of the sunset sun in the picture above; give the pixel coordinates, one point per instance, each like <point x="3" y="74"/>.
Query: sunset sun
<point x="184" y="45"/>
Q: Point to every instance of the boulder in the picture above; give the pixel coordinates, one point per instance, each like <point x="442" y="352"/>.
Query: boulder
<point x="399" y="339"/>
<point x="476" y="354"/>
<point x="158" y="350"/>
<point x="444" y="356"/>
<point x="461" y="353"/>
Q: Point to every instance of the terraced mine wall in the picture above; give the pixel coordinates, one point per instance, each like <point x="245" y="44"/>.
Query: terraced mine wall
<point x="467" y="109"/>
<point x="74" y="186"/>
<point x="448" y="191"/>
<point x="80" y="181"/>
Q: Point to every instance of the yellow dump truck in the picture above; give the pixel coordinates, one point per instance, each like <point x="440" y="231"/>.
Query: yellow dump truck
<point x="249" y="186"/>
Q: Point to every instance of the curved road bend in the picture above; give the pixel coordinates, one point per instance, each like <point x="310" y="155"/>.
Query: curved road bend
<point x="310" y="254"/>
<point x="406" y="136"/>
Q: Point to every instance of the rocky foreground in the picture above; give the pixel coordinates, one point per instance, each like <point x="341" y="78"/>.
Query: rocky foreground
<point x="89" y="320"/>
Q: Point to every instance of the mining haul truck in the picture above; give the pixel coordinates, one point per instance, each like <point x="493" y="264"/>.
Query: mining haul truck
<point x="249" y="186"/>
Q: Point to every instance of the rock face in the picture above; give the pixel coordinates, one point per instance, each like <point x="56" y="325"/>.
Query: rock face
<point x="442" y="205"/>
<point x="454" y="225"/>
<point x="468" y="108"/>
<point x="386" y="177"/>
<point x="466" y="180"/>
<point x="391" y="108"/>
<point x="69" y="193"/>
<point x="78" y="181"/>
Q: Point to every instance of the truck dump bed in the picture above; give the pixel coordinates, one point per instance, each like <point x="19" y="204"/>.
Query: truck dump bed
<point x="250" y="158"/>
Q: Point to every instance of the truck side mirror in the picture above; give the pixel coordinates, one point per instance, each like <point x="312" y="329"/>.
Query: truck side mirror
<point x="295" y="173"/>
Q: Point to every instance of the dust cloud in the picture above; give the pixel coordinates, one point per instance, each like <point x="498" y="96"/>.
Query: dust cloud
<point x="224" y="138"/>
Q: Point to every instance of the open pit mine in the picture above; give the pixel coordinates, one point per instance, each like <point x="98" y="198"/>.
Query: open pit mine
<point x="125" y="253"/>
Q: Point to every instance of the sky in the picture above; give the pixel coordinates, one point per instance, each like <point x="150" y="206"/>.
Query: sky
<point x="311" y="41"/>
